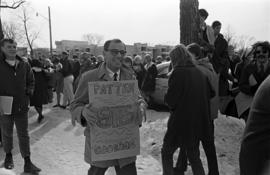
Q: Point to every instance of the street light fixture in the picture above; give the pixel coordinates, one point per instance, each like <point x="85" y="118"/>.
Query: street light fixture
<point x="50" y="27"/>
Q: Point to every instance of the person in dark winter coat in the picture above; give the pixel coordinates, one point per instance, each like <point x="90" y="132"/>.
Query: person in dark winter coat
<point x="206" y="67"/>
<point x="254" y="155"/>
<point x="139" y="70"/>
<point x="41" y="94"/>
<point x="221" y="60"/>
<point x="254" y="73"/>
<point x="188" y="97"/>
<point x="246" y="58"/>
<point x="18" y="84"/>
<point x="149" y="81"/>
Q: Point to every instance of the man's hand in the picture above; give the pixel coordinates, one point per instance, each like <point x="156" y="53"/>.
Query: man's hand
<point x="90" y="113"/>
<point x="76" y="115"/>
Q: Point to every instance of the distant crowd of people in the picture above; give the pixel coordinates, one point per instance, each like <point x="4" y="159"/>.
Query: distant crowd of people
<point x="204" y="78"/>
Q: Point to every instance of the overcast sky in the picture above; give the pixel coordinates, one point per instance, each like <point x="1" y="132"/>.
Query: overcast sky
<point x="147" y="21"/>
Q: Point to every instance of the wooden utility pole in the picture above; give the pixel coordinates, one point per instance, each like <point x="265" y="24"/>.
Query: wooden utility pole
<point x="50" y="31"/>
<point x="189" y="21"/>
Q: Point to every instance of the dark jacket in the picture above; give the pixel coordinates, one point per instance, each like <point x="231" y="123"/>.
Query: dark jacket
<point x="140" y="74"/>
<point x="221" y="64"/>
<point x="251" y="69"/>
<point x="67" y="67"/>
<point x="42" y="78"/>
<point x="18" y="82"/>
<point x="188" y="98"/>
<point x="255" y="146"/>
<point x="149" y="82"/>
<point x="220" y="59"/>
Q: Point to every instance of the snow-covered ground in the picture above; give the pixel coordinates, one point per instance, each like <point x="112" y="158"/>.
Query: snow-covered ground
<point x="57" y="147"/>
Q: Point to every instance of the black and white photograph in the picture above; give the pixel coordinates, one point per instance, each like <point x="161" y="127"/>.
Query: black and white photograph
<point x="134" y="87"/>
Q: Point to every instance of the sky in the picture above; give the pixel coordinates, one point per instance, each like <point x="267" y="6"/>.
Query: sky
<point x="145" y="21"/>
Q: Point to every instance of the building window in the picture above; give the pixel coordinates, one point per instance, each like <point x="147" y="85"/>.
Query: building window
<point x="143" y="48"/>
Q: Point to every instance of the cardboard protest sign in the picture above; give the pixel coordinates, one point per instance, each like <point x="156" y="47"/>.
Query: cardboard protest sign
<point x="115" y="133"/>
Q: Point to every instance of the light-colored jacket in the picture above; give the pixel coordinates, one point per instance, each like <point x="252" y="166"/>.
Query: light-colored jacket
<point x="206" y="67"/>
<point x="81" y="99"/>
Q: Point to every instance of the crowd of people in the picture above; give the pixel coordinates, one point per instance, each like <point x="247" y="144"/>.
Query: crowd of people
<point x="203" y="79"/>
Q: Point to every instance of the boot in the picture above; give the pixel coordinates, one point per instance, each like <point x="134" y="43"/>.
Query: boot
<point x="29" y="167"/>
<point x="40" y="118"/>
<point x="8" y="163"/>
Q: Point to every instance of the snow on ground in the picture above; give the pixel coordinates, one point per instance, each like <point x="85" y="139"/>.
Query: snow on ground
<point x="57" y="147"/>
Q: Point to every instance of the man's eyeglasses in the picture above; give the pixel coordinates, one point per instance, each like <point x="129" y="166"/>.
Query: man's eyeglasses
<point x="115" y="52"/>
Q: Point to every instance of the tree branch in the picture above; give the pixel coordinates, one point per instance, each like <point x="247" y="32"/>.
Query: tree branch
<point x="14" y="5"/>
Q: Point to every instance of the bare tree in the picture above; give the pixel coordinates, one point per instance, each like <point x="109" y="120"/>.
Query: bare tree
<point x="243" y="42"/>
<point x="189" y="21"/>
<point x="229" y="35"/>
<point x="239" y="43"/>
<point x="93" y="39"/>
<point x="30" y="35"/>
<point x="6" y="5"/>
<point x="12" y="30"/>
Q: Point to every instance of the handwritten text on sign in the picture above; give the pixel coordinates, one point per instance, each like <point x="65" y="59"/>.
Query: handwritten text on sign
<point x="116" y="133"/>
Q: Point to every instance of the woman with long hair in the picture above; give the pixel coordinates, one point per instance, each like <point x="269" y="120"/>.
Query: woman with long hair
<point x="188" y="97"/>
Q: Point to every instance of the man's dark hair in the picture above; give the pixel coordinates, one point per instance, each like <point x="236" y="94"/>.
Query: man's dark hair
<point x="6" y="40"/>
<point x="108" y="42"/>
<point x="203" y="13"/>
<point x="215" y="24"/>
<point x="64" y="53"/>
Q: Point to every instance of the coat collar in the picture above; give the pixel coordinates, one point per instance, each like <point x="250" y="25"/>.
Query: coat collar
<point x="103" y="73"/>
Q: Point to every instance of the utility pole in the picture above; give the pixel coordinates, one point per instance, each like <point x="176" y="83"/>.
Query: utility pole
<point x="50" y="31"/>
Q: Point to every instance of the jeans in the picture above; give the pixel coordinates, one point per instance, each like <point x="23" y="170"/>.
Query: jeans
<point x="170" y="145"/>
<point x="129" y="169"/>
<point x="210" y="152"/>
<point x="21" y="123"/>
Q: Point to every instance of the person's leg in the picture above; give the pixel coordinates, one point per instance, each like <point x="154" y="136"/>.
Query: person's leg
<point x="181" y="163"/>
<point x="21" y="123"/>
<point x="58" y="90"/>
<point x="167" y="151"/>
<point x="193" y="154"/>
<point x="65" y="93"/>
<point x="210" y="152"/>
<point x="70" y="91"/>
<point x="129" y="169"/>
<point x="39" y="111"/>
<point x="93" y="170"/>
<point x="0" y="136"/>
<point x="7" y="123"/>
<point x="58" y="98"/>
